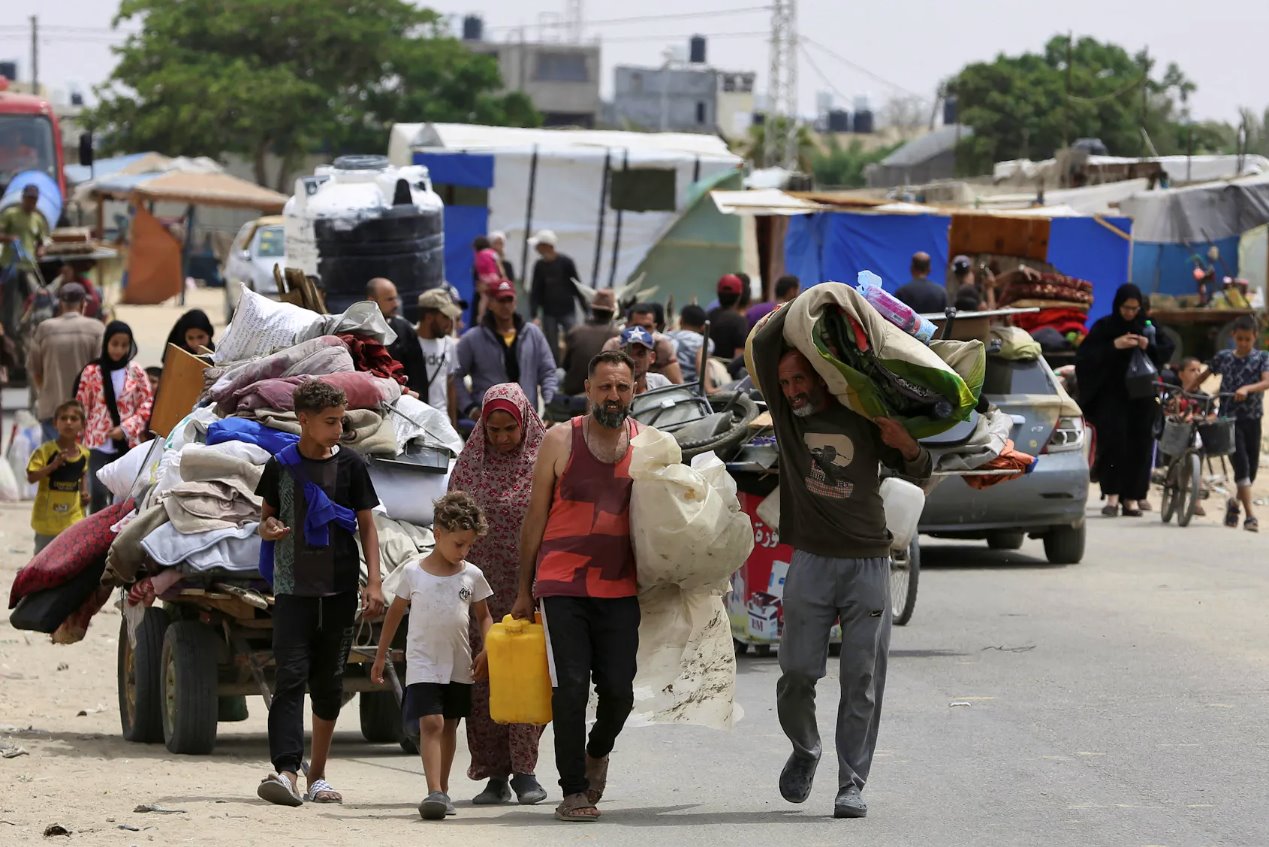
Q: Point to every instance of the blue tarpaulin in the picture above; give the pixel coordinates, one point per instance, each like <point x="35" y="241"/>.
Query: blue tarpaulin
<point x="837" y="245"/>
<point x="463" y="223"/>
<point x="1169" y="268"/>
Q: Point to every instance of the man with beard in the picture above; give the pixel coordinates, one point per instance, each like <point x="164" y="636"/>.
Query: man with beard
<point x="576" y="559"/>
<point x="429" y="352"/>
<point x="831" y="514"/>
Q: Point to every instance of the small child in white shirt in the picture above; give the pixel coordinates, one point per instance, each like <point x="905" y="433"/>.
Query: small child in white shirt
<point x="442" y="593"/>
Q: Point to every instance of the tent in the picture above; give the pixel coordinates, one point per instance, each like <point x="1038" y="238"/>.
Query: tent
<point x="837" y="244"/>
<point x="1174" y="226"/>
<point x="157" y="257"/>
<point x="608" y="196"/>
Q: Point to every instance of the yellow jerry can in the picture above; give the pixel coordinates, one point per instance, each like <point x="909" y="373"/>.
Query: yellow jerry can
<point x="519" y="679"/>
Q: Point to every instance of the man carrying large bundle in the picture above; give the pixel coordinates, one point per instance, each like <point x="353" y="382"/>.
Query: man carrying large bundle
<point x="831" y="514"/>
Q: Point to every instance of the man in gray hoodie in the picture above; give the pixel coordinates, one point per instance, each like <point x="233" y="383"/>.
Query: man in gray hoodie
<point x="503" y="348"/>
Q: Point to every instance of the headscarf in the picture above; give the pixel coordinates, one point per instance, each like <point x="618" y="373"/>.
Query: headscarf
<point x="108" y="365"/>
<point x="500" y="482"/>
<point x="1123" y="294"/>
<point x="1099" y="365"/>
<point x="193" y="319"/>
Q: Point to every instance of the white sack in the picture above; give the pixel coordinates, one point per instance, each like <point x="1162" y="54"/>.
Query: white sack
<point x="365" y="319"/>
<point x="119" y="475"/>
<point x="261" y="325"/>
<point x="689" y="536"/>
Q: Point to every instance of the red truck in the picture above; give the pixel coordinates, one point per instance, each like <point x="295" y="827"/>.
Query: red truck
<point x="30" y="138"/>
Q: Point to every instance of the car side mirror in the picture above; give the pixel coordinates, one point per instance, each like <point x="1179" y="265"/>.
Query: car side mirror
<point x="86" y="149"/>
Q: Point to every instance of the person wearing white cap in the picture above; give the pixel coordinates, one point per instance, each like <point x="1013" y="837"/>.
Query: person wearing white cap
<point x="552" y="294"/>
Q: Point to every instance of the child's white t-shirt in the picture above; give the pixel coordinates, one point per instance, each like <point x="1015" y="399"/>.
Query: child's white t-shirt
<point x="437" y="647"/>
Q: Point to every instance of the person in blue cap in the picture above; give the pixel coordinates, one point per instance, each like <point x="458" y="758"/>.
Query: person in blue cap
<point x="639" y="345"/>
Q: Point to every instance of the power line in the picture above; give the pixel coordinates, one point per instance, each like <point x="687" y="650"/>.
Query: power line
<point x="683" y="37"/>
<point x="810" y="60"/>
<point x="861" y="69"/>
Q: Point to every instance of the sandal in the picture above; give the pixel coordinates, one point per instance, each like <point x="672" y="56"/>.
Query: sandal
<point x="1231" y="513"/>
<point x="1110" y="511"/>
<point x="1251" y="525"/>
<point x="576" y="808"/>
<point x="321" y="791"/>
<point x="596" y="778"/>
<point x="279" y="791"/>
<point x="1131" y="513"/>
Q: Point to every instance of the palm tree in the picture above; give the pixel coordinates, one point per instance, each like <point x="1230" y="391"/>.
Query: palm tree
<point x="754" y="147"/>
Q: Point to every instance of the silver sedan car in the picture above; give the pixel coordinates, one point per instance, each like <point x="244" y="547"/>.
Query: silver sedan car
<point x="1047" y="503"/>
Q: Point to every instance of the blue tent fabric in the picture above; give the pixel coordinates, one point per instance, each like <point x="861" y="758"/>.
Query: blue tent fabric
<point x="1169" y="268"/>
<point x="470" y="170"/>
<point x="837" y="245"/>
<point x="1084" y="248"/>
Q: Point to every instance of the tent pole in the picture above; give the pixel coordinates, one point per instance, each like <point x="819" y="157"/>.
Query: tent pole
<point x="616" y="238"/>
<point x="599" y="230"/>
<point x="187" y="248"/>
<point x="528" y="224"/>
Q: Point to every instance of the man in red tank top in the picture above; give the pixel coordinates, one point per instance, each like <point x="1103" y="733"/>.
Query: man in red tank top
<point x="576" y="559"/>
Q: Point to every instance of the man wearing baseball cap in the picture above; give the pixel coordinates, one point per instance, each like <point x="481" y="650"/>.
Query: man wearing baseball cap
<point x="552" y="294"/>
<point x="728" y="327"/>
<point x="639" y="345"/>
<point x="429" y="352"/>
<point x="60" y="348"/>
<point x="503" y="347"/>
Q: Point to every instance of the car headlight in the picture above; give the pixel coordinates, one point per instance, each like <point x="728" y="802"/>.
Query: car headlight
<point x="1067" y="435"/>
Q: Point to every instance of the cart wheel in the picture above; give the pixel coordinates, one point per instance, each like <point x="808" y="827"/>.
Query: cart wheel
<point x="380" y="717"/>
<point x="762" y="651"/>
<point x="905" y="572"/>
<point x="190" y="704"/>
<point x="232" y="709"/>
<point x="140" y="694"/>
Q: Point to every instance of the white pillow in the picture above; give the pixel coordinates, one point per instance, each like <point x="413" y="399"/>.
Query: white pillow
<point x="261" y="325"/>
<point x="119" y="475"/>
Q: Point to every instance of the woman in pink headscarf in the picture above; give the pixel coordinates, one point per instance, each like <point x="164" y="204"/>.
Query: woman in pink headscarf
<point x="496" y="468"/>
<point x="487" y="271"/>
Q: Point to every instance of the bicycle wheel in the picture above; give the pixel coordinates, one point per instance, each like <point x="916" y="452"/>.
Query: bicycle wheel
<point x="1167" y="508"/>
<point x="1190" y="487"/>
<point x="905" y="571"/>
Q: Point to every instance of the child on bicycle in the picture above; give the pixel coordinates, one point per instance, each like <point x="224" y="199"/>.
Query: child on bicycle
<point x="441" y="592"/>
<point x="1244" y="372"/>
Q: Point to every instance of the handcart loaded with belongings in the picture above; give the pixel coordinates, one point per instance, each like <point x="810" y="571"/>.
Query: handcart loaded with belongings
<point x="181" y="545"/>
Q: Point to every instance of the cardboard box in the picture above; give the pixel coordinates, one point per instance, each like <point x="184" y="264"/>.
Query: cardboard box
<point x="179" y="389"/>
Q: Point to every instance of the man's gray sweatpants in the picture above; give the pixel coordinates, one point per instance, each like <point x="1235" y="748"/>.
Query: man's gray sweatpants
<point x="817" y="591"/>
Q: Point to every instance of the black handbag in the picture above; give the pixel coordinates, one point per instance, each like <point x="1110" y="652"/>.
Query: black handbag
<point x="1142" y="376"/>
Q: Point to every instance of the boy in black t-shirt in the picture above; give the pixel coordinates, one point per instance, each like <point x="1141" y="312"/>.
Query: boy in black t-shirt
<point x="315" y="496"/>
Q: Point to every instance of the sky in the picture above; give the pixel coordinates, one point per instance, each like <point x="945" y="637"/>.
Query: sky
<point x="879" y="50"/>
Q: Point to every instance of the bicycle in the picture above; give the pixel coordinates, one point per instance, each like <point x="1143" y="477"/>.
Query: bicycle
<point x="1183" y="474"/>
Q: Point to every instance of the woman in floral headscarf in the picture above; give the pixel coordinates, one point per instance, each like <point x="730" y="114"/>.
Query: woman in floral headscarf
<point x="496" y="468"/>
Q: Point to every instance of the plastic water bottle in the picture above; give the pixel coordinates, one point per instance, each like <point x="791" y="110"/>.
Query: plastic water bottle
<point x="1151" y="331"/>
<point x="893" y="309"/>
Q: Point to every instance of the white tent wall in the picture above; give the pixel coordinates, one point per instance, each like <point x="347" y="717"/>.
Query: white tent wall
<point x="569" y="187"/>
<point x="1253" y="259"/>
<point x="569" y="199"/>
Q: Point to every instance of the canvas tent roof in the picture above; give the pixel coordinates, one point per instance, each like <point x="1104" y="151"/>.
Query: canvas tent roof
<point x="199" y="181"/>
<point x="474" y="138"/>
<point x="1178" y="168"/>
<point x="1200" y="213"/>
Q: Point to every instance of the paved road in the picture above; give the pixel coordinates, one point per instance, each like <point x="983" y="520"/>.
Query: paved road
<point x="1122" y="701"/>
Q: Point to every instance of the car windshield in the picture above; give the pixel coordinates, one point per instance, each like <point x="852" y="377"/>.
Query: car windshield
<point x="26" y="144"/>
<point x="270" y="243"/>
<point x="1012" y="377"/>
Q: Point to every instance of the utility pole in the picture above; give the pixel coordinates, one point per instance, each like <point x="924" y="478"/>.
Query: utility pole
<point x="780" y="130"/>
<point x="35" y="55"/>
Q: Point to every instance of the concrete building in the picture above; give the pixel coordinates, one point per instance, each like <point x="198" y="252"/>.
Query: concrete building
<point x="560" y="78"/>
<point x="683" y="98"/>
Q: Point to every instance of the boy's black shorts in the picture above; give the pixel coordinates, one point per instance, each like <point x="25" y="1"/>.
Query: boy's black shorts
<point x="1246" y="458"/>
<point x="450" y="700"/>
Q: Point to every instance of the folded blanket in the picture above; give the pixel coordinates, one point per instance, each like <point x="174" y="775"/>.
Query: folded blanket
<point x="363" y="390"/>
<point x="74" y="550"/>
<point x="323" y="355"/>
<point x="168" y="547"/>
<point x="871" y="366"/>
<point x="988" y="440"/>
<point x="208" y="464"/>
<point x="202" y="506"/>
<point x="365" y="430"/>
<point x="126" y="556"/>
<point x="252" y="432"/>
<point x="1009" y="459"/>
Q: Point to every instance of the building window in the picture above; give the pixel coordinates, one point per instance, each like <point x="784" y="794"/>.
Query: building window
<point x="642" y="190"/>
<point x="636" y="83"/>
<point x="700" y="112"/>
<point x="561" y="67"/>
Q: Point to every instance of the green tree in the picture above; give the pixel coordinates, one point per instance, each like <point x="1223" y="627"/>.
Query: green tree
<point x="252" y="77"/>
<point x="1029" y="106"/>
<point x="753" y="148"/>
<point x="843" y="167"/>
